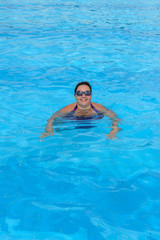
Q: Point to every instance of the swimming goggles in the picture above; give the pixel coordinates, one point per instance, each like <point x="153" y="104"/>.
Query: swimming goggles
<point x="80" y="93"/>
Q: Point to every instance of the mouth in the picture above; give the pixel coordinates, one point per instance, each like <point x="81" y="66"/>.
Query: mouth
<point x="83" y="99"/>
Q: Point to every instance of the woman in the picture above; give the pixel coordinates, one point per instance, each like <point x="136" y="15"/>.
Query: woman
<point x="83" y="109"/>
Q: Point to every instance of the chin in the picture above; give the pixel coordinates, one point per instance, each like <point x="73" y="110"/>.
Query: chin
<point x="84" y="103"/>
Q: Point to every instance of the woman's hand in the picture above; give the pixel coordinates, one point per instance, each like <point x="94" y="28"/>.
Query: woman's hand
<point x="113" y="132"/>
<point x="46" y="134"/>
<point x="111" y="136"/>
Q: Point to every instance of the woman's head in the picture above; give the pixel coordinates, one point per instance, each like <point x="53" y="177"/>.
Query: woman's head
<point x="83" y="83"/>
<point x="83" y="94"/>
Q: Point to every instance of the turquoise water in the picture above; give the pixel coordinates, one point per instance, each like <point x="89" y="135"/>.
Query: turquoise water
<point x="76" y="184"/>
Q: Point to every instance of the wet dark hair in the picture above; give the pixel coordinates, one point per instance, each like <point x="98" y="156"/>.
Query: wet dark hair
<point x="83" y="83"/>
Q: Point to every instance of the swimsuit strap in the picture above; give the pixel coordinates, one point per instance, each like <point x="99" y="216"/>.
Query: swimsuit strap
<point x="95" y="109"/>
<point x="73" y="111"/>
<point x="98" y="116"/>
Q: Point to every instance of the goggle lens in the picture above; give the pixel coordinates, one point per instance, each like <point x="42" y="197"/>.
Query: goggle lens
<point x="80" y="93"/>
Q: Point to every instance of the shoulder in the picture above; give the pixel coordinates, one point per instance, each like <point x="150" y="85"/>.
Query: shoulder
<point x="67" y="108"/>
<point x="63" y="111"/>
<point x="99" y="107"/>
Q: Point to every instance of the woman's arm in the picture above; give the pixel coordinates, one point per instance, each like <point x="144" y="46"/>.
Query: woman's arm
<point x="114" y="119"/>
<point x="49" y="127"/>
<point x="61" y="113"/>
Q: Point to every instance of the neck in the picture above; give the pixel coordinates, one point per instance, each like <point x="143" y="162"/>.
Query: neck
<point x="84" y="107"/>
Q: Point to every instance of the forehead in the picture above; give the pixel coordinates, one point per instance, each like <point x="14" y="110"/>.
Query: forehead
<point x="83" y="88"/>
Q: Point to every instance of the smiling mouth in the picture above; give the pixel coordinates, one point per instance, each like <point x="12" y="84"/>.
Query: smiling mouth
<point x="83" y="99"/>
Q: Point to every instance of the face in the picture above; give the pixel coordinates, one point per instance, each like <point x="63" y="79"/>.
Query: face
<point x="83" y="101"/>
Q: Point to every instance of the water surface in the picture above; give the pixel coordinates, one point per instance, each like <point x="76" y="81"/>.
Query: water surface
<point x="77" y="184"/>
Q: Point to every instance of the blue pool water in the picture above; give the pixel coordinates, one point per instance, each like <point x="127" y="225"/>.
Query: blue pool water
<point x="77" y="184"/>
